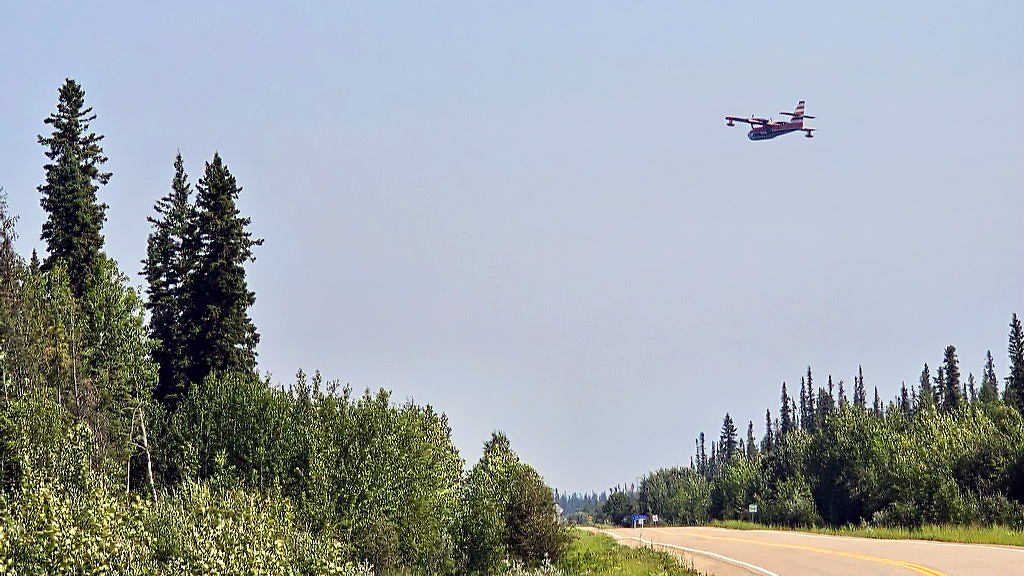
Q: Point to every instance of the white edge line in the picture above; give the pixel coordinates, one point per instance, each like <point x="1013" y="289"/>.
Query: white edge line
<point x="695" y="551"/>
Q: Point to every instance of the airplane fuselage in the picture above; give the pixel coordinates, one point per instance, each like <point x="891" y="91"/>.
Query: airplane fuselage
<point x="766" y="128"/>
<point x="769" y="131"/>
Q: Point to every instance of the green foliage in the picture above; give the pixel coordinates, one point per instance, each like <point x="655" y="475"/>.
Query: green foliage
<point x="842" y="463"/>
<point x="599" y="555"/>
<point x="73" y="228"/>
<point x="677" y="495"/>
<point x="934" y="457"/>
<point x="1015" y="380"/>
<point x="393" y="479"/>
<point x="117" y="374"/>
<point x="952" y="394"/>
<point x="198" y="295"/>
<point x="58" y="515"/>
<point x="233" y="428"/>
<point x="789" y="503"/>
<point x="488" y="493"/>
<point x="239" y="477"/>
<point x="727" y="442"/>
<point x="509" y="513"/>
<point x="732" y="489"/>
<point x="222" y="337"/>
<point x="170" y="255"/>
<point x="970" y="533"/>
<point x="534" y="534"/>
<point x="619" y="507"/>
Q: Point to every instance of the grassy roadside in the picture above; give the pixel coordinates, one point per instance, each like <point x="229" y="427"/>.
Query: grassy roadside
<point x="998" y="535"/>
<point x="599" y="555"/>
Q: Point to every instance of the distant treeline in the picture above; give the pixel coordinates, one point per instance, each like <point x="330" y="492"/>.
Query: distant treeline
<point x="135" y="445"/>
<point x="948" y="450"/>
<point x="579" y="508"/>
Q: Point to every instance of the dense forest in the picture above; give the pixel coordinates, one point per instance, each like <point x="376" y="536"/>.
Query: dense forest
<point x="948" y="450"/>
<point x="136" y="436"/>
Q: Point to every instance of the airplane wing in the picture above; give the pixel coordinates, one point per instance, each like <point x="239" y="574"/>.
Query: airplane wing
<point x="752" y="121"/>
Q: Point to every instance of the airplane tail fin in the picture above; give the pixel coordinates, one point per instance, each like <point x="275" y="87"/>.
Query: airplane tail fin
<point x="798" y="114"/>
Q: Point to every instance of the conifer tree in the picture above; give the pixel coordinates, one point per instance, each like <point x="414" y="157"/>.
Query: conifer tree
<point x="1014" y="394"/>
<point x="876" y="407"/>
<point x="728" y="442"/>
<point x="905" y="403"/>
<point x="170" y="257"/>
<point x="939" y="387"/>
<point x="702" y="457"/>
<point x="843" y="402"/>
<point x="751" y="443"/>
<point x="769" y="440"/>
<point x="74" y="223"/>
<point x="860" y="395"/>
<point x="952" y="393"/>
<point x="989" y="382"/>
<point x="824" y="407"/>
<point x="804" y="420"/>
<point x="812" y="415"/>
<point x="925" y="396"/>
<point x="225" y="337"/>
<point x="787" y="412"/>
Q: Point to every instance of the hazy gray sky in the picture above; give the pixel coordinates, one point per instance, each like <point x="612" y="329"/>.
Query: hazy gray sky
<point x="532" y="215"/>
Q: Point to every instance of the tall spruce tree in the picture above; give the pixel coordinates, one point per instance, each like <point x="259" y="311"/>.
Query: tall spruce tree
<point x="702" y="457"/>
<point x="1014" y="394"/>
<point x="74" y="223"/>
<point x="804" y="420"/>
<point x="860" y="394"/>
<point x="811" y="413"/>
<point x="751" y="442"/>
<point x="939" y="387"/>
<point x="952" y="393"/>
<point x="925" y="397"/>
<point x="825" y="406"/>
<point x="225" y="338"/>
<point x="728" y="438"/>
<point x="905" y="404"/>
<point x="785" y="406"/>
<point x="989" y="382"/>
<point x="170" y="258"/>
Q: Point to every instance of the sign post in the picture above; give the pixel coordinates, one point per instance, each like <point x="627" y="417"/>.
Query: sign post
<point x="753" y="510"/>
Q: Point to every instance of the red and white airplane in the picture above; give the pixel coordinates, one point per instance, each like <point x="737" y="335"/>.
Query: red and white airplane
<point x="766" y="129"/>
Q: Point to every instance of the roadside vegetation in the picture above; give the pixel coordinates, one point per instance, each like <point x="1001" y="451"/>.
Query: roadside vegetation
<point x="967" y="534"/>
<point x="136" y="436"/>
<point x="944" y="460"/>
<point x="599" y="555"/>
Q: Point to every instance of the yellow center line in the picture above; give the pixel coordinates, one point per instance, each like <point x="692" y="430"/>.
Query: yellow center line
<point x="908" y="565"/>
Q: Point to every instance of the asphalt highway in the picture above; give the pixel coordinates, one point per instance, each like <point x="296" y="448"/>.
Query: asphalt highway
<point x="725" y="552"/>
